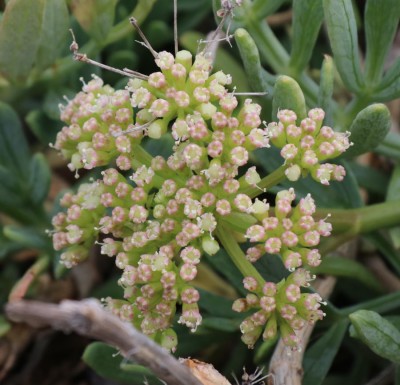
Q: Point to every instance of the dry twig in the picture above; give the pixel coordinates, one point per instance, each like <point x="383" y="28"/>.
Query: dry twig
<point x="88" y="318"/>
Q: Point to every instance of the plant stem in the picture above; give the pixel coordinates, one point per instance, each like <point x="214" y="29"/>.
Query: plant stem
<point x="266" y="183"/>
<point x="364" y="219"/>
<point x="229" y="243"/>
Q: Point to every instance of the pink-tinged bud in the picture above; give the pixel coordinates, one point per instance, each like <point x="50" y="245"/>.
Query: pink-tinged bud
<point x="196" y="182"/>
<point x="305" y="223"/>
<point x="301" y="277"/>
<point x="138" y="195"/>
<point x="183" y="195"/>
<point x="242" y="202"/>
<point x="228" y="102"/>
<point x="306" y="205"/>
<point x="138" y="214"/>
<point x="169" y="187"/>
<point x="190" y="255"/>
<point x="122" y="190"/>
<point x="197" y="129"/>
<point x="293" y="173"/>
<point x="289" y="239"/>
<point x="326" y="132"/>
<point x="310" y="238"/>
<point x="240" y="305"/>
<point x="180" y="130"/>
<point x="324" y="228"/>
<point x="74" y="234"/>
<point x="139" y="239"/>
<point x="269" y="289"/>
<point x="259" y="138"/>
<point x="326" y="150"/>
<point x="288" y="312"/>
<point x="292" y="260"/>
<point x="119" y="215"/>
<point x="309" y="159"/>
<point x="207" y="222"/>
<point x="307" y="142"/>
<point x="239" y="156"/>
<point x="168" y="280"/>
<point x="259" y="318"/>
<point x="192" y="208"/>
<point x="282" y="208"/>
<point x="270" y="223"/>
<point x="250" y="283"/>
<point x="60" y="240"/>
<point x="201" y="94"/>
<point x="157" y="80"/>
<point x="198" y="77"/>
<point x="323" y="173"/>
<point x="253" y="254"/>
<point x="214" y="149"/>
<point x="123" y="144"/>
<point x="192" y="230"/>
<point x="178" y="71"/>
<point x="172" y="207"/>
<point x="231" y="186"/>
<point x="219" y="120"/>
<point x="223" y="207"/>
<point x="190" y="295"/>
<point x="110" y="247"/>
<point x="208" y="199"/>
<point x="141" y="98"/>
<point x="182" y="239"/>
<point x="159" y="108"/>
<point x="190" y="316"/>
<point x="237" y="137"/>
<point x="308" y="125"/>
<point x="256" y="233"/>
<point x="268" y="304"/>
<point x="313" y="258"/>
<point x="338" y="173"/>
<point x="107" y="199"/>
<point x="143" y="176"/>
<point x="164" y="60"/>
<point x="273" y="245"/>
<point x="293" y="293"/>
<point x="121" y="260"/>
<point x="293" y="133"/>
<point x="182" y="99"/>
<point x="287" y="117"/>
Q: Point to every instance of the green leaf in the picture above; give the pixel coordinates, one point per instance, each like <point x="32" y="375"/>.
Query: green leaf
<point x="106" y="362"/>
<point x="319" y="357"/>
<point x="7" y="246"/>
<point x="5" y="326"/>
<point x="20" y="32"/>
<point x="393" y="193"/>
<point x="216" y="305"/>
<point x="377" y="333"/>
<point x="259" y="79"/>
<point x="53" y="34"/>
<point x="14" y="152"/>
<point x="344" y="267"/>
<point x="44" y="128"/>
<point x="226" y="325"/>
<point x="39" y="180"/>
<point x="342" y="31"/>
<point x="326" y="89"/>
<point x="381" y="20"/>
<point x="96" y="17"/>
<point x="288" y="94"/>
<point x="389" y="87"/>
<point x="307" y="19"/>
<point x="262" y="8"/>
<point x="28" y="237"/>
<point x="368" y="129"/>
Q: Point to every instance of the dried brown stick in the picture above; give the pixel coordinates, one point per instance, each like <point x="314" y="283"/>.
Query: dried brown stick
<point x="286" y="366"/>
<point x="88" y="318"/>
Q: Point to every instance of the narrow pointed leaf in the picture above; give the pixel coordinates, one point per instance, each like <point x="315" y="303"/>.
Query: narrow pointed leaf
<point x="378" y="334"/>
<point x="319" y="357"/>
<point x="262" y="8"/>
<point x="326" y="89"/>
<point x="381" y="20"/>
<point x="393" y="193"/>
<point x="368" y="130"/>
<point x="342" y="31"/>
<point x="307" y="19"/>
<point x="39" y="181"/>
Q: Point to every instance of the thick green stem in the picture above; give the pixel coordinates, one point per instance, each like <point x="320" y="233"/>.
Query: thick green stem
<point x="364" y="219"/>
<point x="266" y="183"/>
<point x="230" y="245"/>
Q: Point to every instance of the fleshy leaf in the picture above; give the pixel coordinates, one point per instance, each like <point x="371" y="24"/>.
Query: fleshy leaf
<point x="393" y="193"/>
<point x="105" y="361"/>
<point x="259" y="79"/>
<point x="39" y="180"/>
<point x="368" y="129"/>
<point x="20" y="32"/>
<point x="288" y="95"/>
<point x="326" y="89"/>
<point x="377" y="333"/>
<point x="381" y="20"/>
<point x="307" y="19"/>
<point x="262" y="8"/>
<point x="342" y="31"/>
<point x="54" y="32"/>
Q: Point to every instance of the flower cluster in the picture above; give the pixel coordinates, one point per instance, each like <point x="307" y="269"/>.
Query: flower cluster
<point x="280" y="307"/>
<point x="158" y="216"/>
<point x="303" y="147"/>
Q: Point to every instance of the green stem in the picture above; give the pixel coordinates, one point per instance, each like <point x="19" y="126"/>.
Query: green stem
<point x="364" y="219"/>
<point x="230" y="245"/>
<point x="266" y="183"/>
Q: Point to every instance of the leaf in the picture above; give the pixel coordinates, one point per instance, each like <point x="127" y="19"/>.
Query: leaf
<point x="44" y="128"/>
<point x="381" y="20"/>
<point x="342" y="31"/>
<point x="377" y="333"/>
<point x="20" y="32"/>
<point x="307" y="19"/>
<point x="96" y="17"/>
<point x="326" y="89"/>
<point x="106" y="362"/>
<point x="261" y="8"/>
<point x="226" y="325"/>
<point x="271" y="268"/>
<point x="5" y="326"/>
<point x="389" y="87"/>
<point x="393" y="193"/>
<point x="39" y="179"/>
<point x="288" y="95"/>
<point x="368" y="129"/>
<point x="14" y="152"/>
<point x="7" y="246"/>
<point x="259" y="79"/>
<point x="386" y="248"/>
<point x="343" y="267"/>
<point x="216" y="305"/>
<point x="28" y="237"/>
<point x="53" y="34"/>
<point x="319" y="357"/>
